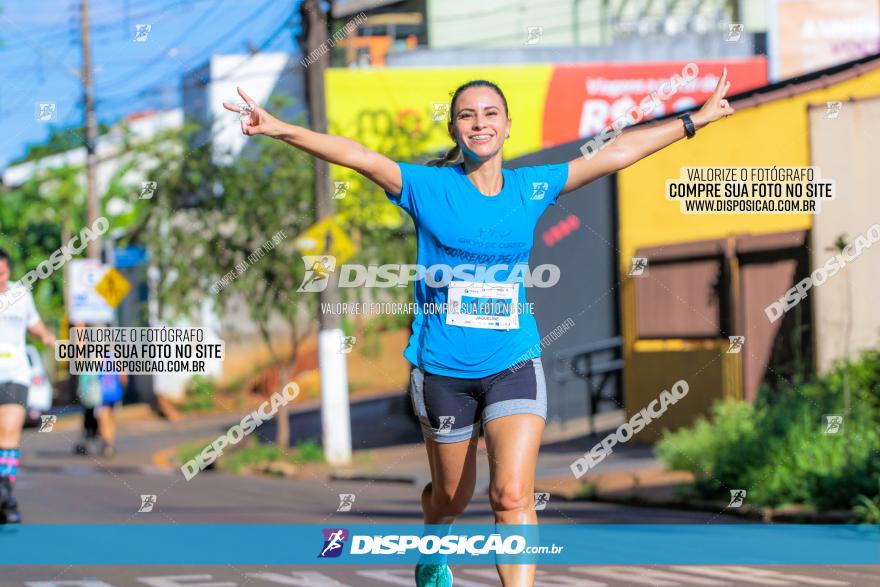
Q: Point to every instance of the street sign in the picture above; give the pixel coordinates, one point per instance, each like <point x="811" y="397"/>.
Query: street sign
<point x="326" y="238"/>
<point x="86" y="304"/>
<point x="113" y="287"/>
<point x="130" y="256"/>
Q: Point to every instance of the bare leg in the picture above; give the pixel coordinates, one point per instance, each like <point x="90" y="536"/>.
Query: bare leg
<point x="453" y="477"/>
<point x="513" y="443"/>
<point x="11" y="423"/>
<point x="168" y="409"/>
<point x="107" y="425"/>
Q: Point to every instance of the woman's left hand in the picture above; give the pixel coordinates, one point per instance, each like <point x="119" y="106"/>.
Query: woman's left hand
<point x="716" y="106"/>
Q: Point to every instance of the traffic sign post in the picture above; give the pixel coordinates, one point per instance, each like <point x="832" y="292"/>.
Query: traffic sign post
<point x="95" y="291"/>
<point x="113" y="287"/>
<point x="326" y="238"/>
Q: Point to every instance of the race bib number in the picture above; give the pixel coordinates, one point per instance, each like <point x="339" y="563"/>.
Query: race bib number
<point x="483" y="305"/>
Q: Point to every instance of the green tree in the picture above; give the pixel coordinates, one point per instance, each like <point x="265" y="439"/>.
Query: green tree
<point x="49" y="208"/>
<point x="60" y="140"/>
<point x="207" y="218"/>
<point x="34" y="219"/>
<point x="209" y="230"/>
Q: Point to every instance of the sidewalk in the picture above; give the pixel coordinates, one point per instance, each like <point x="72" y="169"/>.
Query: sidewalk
<point x="631" y="475"/>
<point x="630" y="466"/>
<point x="148" y="443"/>
<point x="140" y="435"/>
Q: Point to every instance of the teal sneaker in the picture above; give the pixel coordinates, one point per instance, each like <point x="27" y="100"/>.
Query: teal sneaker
<point x="433" y="575"/>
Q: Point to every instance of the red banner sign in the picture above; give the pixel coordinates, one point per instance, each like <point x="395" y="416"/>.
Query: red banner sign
<point x="584" y="99"/>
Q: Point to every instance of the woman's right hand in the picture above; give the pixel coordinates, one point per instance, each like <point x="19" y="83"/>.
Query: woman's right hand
<point x="334" y="149"/>
<point x="259" y="122"/>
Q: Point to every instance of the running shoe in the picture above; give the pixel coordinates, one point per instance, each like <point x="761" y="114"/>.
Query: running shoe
<point x="9" y="513"/>
<point x="108" y="450"/>
<point x="433" y="575"/>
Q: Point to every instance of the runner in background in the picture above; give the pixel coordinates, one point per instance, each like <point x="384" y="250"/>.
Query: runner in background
<point x="18" y="317"/>
<point x="112" y="385"/>
<point x="99" y="394"/>
<point x="87" y="394"/>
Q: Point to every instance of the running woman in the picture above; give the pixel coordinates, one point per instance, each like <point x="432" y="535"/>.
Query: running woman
<point x="18" y="316"/>
<point x="472" y="369"/>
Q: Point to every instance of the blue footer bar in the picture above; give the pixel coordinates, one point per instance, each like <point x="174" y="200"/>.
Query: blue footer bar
<point x="545" y="544"/>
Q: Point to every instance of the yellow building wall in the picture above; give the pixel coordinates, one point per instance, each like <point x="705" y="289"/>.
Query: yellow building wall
<point x="775" y="133"/>
<point x="721" y="377"/>
<point x="409" y="94"/>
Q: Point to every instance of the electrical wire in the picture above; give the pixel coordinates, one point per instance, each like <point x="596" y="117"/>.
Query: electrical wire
<point x="161" y="81"/>
<point x="197" y="22"/>
<point x="160" y="87"/>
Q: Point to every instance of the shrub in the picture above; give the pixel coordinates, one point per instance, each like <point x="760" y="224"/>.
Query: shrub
<point x="199" y="394"/>
<point x="254" y="452"/>
<point x="309" y="451"/>
<point x="776" y="448"/>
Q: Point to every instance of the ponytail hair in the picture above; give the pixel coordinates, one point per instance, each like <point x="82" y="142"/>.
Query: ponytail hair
<point x="454" y="156"/>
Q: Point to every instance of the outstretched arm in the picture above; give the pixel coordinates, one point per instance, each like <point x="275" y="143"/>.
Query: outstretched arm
<point x="40" y="331"/>
<point x="636" y="144"/>
<point x="334" y="149"/>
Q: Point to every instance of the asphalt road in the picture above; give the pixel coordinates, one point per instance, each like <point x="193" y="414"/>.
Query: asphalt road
<point x="465" y="576"/>
<point x="92" y="495"/>
<point x="56" y="488"/>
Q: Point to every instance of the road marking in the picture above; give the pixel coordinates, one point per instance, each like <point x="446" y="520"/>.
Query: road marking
<point x="172" y="581"/>
<point x="490" y="574"/>
<point x="392" y="577"/>
<point x="81" y="583"/>
<point x="564" y="581"/>
<point x="406" y="577"/>
<point x="740" y="574"/>
<point x="645" y="576"/>
<point x="841" y="570"/>
<point x="668" y="576"/>
<point x="542" y="578"/>
<point x="300" y="579"/>
<point x="803" y="579"/>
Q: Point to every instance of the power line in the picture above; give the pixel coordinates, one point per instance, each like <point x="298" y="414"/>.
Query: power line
<point x="157" y="89"/>
<point x="159" y="81"/>
<point x="62" y="33"/>
<point x="197" y="22"/>
<point x="158" y="86"/>
<point x="69" y="70"/>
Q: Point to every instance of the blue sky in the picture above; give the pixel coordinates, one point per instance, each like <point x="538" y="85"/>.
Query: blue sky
<point x="40" y="55"/>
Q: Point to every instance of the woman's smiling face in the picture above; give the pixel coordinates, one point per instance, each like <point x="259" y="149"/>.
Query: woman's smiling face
<point x="479" y="122"/>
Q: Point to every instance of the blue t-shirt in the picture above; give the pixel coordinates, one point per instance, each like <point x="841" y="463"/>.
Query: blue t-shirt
<point x="460" y="228"/>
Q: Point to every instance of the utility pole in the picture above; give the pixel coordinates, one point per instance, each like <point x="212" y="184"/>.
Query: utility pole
<point x="335" y="418"/>
<point x="92" y="203"/>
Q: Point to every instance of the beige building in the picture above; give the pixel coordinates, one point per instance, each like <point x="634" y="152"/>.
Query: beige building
<point x="845" y="144"/>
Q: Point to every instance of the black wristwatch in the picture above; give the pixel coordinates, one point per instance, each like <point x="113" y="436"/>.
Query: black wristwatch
<point x="689" y="128"/>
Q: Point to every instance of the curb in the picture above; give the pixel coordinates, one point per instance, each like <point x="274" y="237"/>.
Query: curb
<point x="768" y="515"/>
<point x="99" y="469"/>
<point x="366" y="477"/>
<point x="162" y="458"/>
<point x="138" y="412"/>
